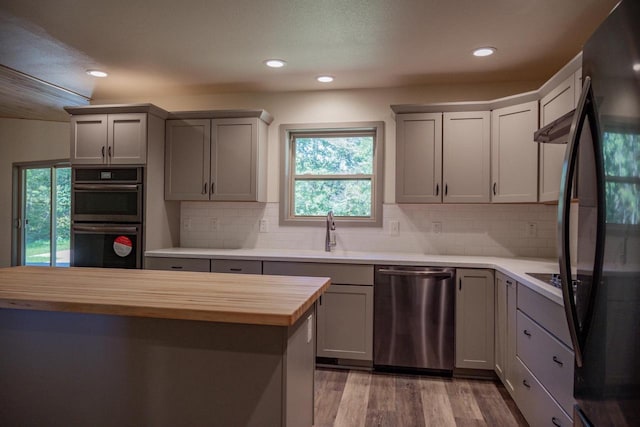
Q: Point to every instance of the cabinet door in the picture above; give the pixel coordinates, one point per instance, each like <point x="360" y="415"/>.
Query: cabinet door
<point x="511" y="335"/>
<point x="514" y="153"/>
<point x="127" y="139"/>
<point x="557" y="103"/>
<point x="475" y="319"/>
<point x="89" y="139"/>
<point x="466" y="157"/>
<point x="500" y="336"/>
<point x="234" y="147"/>
<point x="188" y="144"/>
<point x="419" y="158"/>
<point x="345" y="323"/>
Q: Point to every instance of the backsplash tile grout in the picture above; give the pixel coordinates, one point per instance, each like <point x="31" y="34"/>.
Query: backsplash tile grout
<point x="486" y="229"/>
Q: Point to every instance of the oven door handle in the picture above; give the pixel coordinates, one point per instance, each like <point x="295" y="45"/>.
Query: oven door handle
<point x="104" y="229"/>
<point x="107" y="187"/>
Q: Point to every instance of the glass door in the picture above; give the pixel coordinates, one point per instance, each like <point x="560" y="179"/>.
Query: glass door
<point x="45" y="215"/>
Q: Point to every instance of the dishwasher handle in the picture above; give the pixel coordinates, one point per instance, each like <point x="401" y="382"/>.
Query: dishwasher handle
<point x="416" y="273"/>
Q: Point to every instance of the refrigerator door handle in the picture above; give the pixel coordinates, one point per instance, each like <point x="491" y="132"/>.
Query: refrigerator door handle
<point x="586" y="108"/>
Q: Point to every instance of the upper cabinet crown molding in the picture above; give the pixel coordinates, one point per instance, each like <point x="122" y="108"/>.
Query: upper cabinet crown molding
<point x="222" y="114"/>
<point x="521" y="98"/>
<point x="117" y="109"/>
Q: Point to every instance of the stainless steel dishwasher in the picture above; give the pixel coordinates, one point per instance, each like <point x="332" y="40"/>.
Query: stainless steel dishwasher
<point x="414" y="318"/>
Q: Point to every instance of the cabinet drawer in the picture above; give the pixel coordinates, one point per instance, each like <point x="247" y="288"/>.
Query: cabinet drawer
<point x="537" y="406"/>
<point x="347" y="274"/>
<point x="548" y="359"/>
<point x="179" y="264"/>
<point x="546" y="312"/>
<point x="237" y="266"/>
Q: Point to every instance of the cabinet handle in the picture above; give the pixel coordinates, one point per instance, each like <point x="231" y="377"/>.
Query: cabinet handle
<point x="494" y="188"/>
<point x="526" y="384"/>
<point x="235" y="269"/>
<point x="527" y="333"/>
<point x="320" y="299"/>
<point x="555" y="422"/>
<point x="446" y="189"/>
<point x="558" y="361"/>
<point x="176" y="267"/>
<point x="103" y="151"/>
<point x="109" y="151"/>
<point x="509" y="282"/>
<point x="213" y="188"/>
<point x="460" y="284"/>
<point x="204" y="188"/>
<point x="437" y="189"/>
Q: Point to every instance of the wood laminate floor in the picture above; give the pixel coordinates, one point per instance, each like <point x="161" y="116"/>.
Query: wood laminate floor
<point x="358" y="398"/>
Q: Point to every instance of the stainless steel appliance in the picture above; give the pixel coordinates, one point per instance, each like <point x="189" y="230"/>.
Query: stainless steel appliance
<point x="106" y="208"/>
<point x="603" y="162"/>
<point x="414" y="318"/>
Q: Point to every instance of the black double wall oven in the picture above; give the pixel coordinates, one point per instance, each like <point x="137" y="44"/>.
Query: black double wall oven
<point x="106" y="206"/>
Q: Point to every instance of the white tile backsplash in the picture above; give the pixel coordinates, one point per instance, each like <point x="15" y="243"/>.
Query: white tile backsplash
<point x="486" y="229"/>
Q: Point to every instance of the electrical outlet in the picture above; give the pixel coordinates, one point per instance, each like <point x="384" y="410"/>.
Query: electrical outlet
<point x="264" y="225"/>
<point x="532" y="229"/>
<point x="186" y="223"/>
<point x="214" y="224"/>
<point x="394" y="227"/>
<point x="436" y="227"/>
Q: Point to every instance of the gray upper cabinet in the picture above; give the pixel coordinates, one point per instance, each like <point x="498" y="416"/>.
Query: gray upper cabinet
<point x="221" y="159"/>
<point x="187" y="163"/>
<point x="117" y="139"/>
<point x="443" y="157"/>
<point x="475" y="319"/>
<point x="514" y="153"/>
<point x="558" y="102"/>
<point x="466" y="157"/>
<point x="419" y="158"/>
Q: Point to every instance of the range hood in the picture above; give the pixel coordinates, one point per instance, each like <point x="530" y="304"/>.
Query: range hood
<point x="556" y="132"/>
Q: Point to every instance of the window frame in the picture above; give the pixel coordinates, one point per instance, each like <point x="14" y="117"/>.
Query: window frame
<point x="18" y="198"/>
<point x="287" y="177"/>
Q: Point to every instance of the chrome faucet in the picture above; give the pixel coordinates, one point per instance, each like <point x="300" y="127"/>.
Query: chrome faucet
<point x="330" y="239"/>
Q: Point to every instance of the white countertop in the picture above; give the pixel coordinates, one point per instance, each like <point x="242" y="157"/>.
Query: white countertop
<point x="516" y="268"/>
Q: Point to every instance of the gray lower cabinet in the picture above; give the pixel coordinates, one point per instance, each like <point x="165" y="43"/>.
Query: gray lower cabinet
<point x="345" y="311"/>
<point x="177" y="264"/>
<point x="545" y="369"/>
<point x="236" y="266"/>
<point x="505" y="330"/>
<point x="223" y="159"/>
<point x="475" y="319"/>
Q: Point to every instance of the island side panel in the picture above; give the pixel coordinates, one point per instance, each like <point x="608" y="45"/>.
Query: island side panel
<point x="300" y="362"/>
<point x="102" y="370"/>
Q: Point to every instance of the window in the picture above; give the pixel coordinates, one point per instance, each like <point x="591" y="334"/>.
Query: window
<point x="622" y="177"/>
<point x="333" y="167"/>
<point x="42" y="208"/>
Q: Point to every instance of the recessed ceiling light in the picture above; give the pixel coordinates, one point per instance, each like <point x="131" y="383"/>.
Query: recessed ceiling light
<point x="636" y="67"/>
<point x="324" y="79"/>
<point x="275" y="63"/>
<point x="97" y="73"/>
<point x="484" y="51"/>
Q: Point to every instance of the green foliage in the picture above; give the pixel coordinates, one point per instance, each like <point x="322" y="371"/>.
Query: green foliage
<point x="340" y="156"/>
<point x="37" y="192"/>
<point x="622" y="169"/>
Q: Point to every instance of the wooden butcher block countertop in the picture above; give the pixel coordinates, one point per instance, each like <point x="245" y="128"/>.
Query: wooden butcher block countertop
<point x="214" y="297"/>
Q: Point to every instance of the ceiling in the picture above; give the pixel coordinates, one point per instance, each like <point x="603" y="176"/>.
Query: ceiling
<point x="200" y="46"/>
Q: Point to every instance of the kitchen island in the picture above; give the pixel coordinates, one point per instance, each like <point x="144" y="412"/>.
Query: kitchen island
<point x="84" y="346"/>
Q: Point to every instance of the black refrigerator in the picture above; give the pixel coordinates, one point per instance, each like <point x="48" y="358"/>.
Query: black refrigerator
<point x="601" y="283"/>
